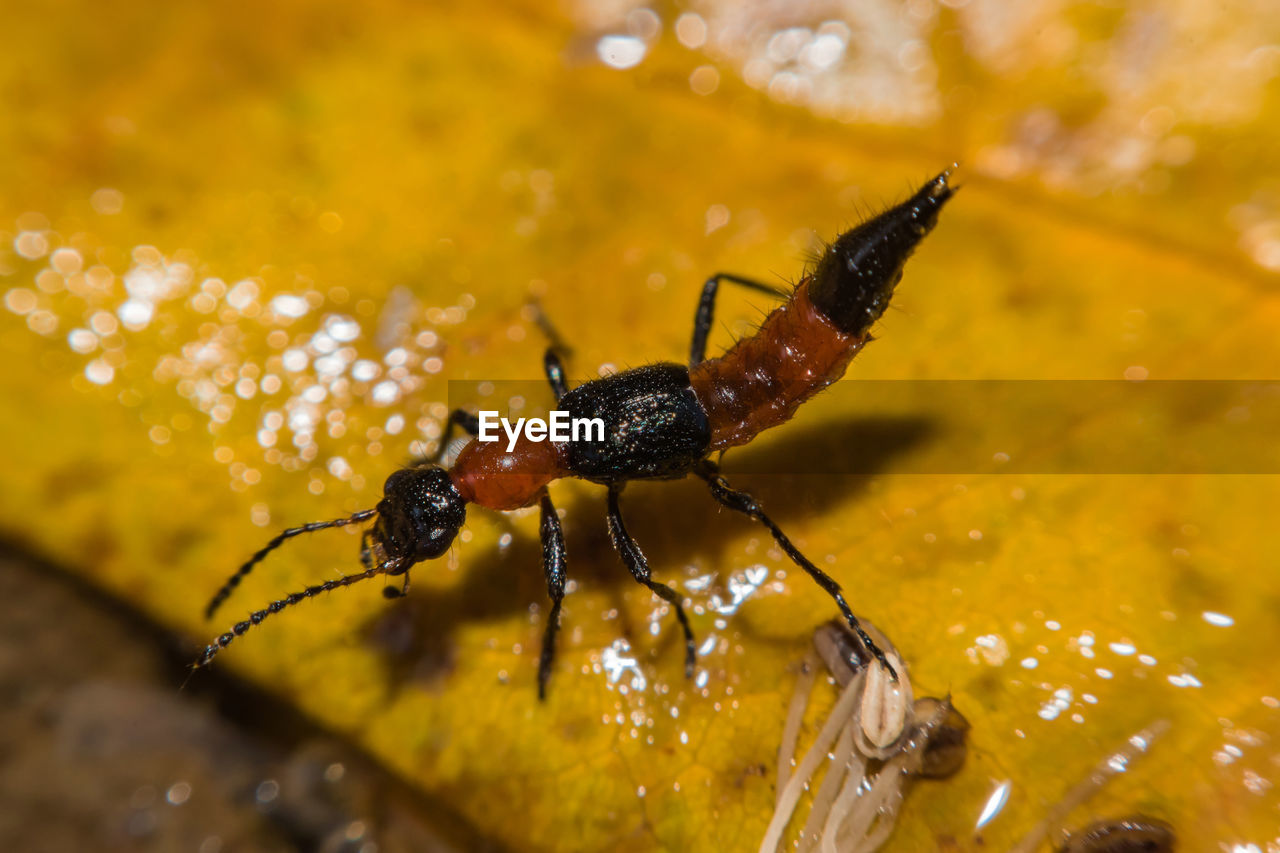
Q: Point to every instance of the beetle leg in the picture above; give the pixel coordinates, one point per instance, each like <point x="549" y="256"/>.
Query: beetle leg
<point x="707" y="306"/>
<point x="457" y="418"/>
<point x="555" y="373"/>
<point x="553" y="566"/>
<point x="747" y="505"/>
<point x="639" y="566"/>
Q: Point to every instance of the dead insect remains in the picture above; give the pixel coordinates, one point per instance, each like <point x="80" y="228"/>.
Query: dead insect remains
<point x="662" y="421"/>
<point x="875" y="755"/>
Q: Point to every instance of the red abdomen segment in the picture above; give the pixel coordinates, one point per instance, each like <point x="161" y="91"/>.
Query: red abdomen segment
<point x="763" y="379"/>
<point x="486" y="474"/>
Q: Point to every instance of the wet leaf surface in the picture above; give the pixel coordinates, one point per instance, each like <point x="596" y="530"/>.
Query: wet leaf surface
<point x="247" y="250"/>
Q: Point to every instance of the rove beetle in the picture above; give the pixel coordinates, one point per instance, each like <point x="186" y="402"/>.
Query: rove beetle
<point x="662" y="421"/>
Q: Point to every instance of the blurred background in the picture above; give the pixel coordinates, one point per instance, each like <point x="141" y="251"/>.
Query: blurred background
<point x="250" y="253"/>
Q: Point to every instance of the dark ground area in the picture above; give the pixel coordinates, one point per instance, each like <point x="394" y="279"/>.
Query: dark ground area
<point x="100" y="749"/>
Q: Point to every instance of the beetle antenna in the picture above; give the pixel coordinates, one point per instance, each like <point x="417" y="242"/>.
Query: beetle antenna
<point x="276" y="606"/>
<point x="240" y="573"/>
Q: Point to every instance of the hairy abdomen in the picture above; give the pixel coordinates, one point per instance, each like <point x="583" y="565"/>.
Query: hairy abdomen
<point x="806" y="344"/>
<point x="763" y="379"/>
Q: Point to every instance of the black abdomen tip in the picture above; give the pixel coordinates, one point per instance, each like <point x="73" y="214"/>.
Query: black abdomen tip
<point x="855" y="277"/>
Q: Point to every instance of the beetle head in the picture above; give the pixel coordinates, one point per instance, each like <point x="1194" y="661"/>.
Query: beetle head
<point x="420" y="513"/>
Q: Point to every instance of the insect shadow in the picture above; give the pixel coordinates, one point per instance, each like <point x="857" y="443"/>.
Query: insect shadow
<point x="678" y="523"/>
